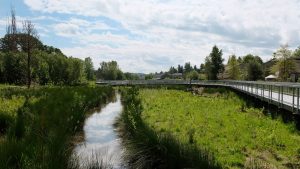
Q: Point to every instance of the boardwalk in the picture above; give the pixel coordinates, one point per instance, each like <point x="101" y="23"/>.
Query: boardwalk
<point x="283" y="95"/>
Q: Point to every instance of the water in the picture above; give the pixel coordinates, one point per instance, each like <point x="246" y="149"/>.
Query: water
<point x="101" y="145"/>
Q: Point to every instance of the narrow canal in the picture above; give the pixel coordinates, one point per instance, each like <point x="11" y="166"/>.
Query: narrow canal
<point x="101" y="147"/>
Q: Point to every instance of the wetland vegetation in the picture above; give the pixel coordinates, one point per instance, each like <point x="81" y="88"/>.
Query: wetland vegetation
<point x="177" y="129"/>
<point x="37" y="125"/>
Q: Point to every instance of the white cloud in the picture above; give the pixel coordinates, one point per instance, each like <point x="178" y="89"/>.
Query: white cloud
<point x="176" y="30"/>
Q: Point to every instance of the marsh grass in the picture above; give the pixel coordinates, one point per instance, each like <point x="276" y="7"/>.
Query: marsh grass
<point x="96" y="160"/>
<point x="42" y="123"/>
<point x="237" y="134"/>
<point x="146" y="148"/>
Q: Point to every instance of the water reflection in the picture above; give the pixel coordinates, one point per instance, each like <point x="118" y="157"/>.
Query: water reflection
<point x="101" y="144"/>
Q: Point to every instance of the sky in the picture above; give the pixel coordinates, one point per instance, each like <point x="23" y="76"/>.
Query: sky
<point x="151" y="35"/>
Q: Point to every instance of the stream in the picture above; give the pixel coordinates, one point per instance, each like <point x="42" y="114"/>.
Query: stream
<point x="101" y="146"/>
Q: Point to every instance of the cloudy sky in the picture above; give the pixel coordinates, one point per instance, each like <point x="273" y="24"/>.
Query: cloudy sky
<point x="151" y="35"/>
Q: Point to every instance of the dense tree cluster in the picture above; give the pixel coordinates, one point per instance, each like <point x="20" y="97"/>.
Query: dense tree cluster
<point x="53" y="68"/>
<point x="248" y="67"/>
<point x="25" y="59"/>
<point x="111" y="71"/>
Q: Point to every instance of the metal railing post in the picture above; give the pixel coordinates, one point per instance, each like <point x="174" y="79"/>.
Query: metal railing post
<point x="293" y="99"/>
<point x="298" y="100"/>
<point x="263" y="90"/>
<point x="271" y="92"/>
<point x="282" y="95"/>
<point x="278" y="96"/>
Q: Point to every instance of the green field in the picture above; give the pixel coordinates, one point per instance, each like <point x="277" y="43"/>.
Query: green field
<point x="237" y="135"/>
<point x="37" y="125"/>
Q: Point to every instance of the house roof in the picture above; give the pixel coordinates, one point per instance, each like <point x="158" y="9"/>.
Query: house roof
<point x="271" y="77"/>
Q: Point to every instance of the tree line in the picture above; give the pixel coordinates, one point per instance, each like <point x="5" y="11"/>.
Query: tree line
<point x="248" y="67"/>
<point x="24" y="59"/>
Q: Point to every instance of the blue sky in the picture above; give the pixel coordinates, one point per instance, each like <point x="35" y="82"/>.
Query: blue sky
<point x="152" y="35"/>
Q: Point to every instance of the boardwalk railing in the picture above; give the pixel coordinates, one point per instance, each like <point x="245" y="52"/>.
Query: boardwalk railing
<point x="282" y="94"/>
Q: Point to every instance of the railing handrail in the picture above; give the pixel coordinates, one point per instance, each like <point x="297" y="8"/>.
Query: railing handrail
<point x="175" y="81"/>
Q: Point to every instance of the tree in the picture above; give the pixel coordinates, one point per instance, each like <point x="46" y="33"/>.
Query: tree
<point x="14" y="68"/>
<point x="89" y="68"/>
<point x="249" y="58"/>
<point x="109" y="71"/>
<point x="187" y="67"/>
<point x="284" y="63"/>
<point x="9" y="42"/>
<point x="202" y="68"/>
<point x="296" y="53"/>
<point x="149" y="76"/>
<point x="193" y="75"/>
<point x="30" y="43"/>
<point x="172" y="70"/>
<point x="248" y="63"/>
<point x="233" y="68"/>
<point x="180" y="69"/>
<point x="214" y="63"/>
<point x="254" y="70"/>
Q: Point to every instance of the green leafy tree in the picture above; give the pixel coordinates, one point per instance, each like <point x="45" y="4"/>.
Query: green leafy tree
<point x="14" y="68"/>
<point x="149" y="76"/>
<point x="249" y="58"/>
<point x="296" y="53"/>
<point x="249" y="62"/>
<point x="214" y="64"/>
<point x="109" y="71"/>
<point x="233" y="68"/>
<point x="75" y="71"/>
<point x="89" y="68"/>
<point x="254" y="71"/>
<point x="193" y="75"/>
<point x="284" y="63"/>
<point x="2" y="67"/>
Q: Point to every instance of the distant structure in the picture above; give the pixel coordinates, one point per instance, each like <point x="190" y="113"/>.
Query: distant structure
<point x="176" y="76"/>
<point x="158" y="76"/>
<point x="271" y="78"/>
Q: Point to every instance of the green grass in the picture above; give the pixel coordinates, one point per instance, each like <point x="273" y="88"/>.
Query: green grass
<point x="40" y="124"/>
<point x="237" y="136"/>
<point x="146" y="148"/>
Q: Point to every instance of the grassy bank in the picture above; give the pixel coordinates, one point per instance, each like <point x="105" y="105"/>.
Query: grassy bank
<point x="217" y="126"/>
<point x="37" y="125"/>
<point x="146" y="148"/>
<point x="238" y="136"/>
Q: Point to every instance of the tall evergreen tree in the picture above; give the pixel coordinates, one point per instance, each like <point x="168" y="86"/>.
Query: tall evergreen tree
<point x="214" y="63"/>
